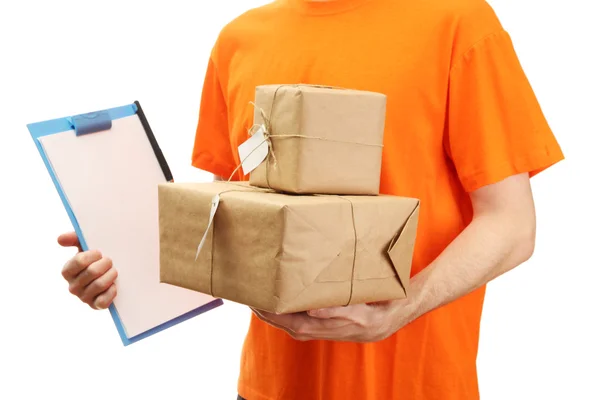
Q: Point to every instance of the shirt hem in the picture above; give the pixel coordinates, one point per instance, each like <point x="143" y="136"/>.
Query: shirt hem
<point x="203" y="162"/>
<point x="251" y="394"/>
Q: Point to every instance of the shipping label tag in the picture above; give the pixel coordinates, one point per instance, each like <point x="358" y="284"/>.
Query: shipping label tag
<point x="213" y="210"/>
<point x="254" y="150"/>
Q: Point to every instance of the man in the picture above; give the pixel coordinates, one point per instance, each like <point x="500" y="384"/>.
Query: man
<point x="464" y="133"/>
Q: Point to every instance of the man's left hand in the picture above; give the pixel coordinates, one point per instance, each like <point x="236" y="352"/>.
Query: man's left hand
<point x="355" y="323"/>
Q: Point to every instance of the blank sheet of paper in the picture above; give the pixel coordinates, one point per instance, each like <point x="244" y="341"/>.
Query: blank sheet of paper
<point x="110" y="180"/>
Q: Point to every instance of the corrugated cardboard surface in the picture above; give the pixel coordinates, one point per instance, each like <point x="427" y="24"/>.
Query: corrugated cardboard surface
<point x="341" y="145"/>
<point x="286" y="253"/>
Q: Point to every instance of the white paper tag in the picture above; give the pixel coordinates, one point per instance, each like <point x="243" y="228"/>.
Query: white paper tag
<point x="254" y="150"/>
<point x="213" y="210"/>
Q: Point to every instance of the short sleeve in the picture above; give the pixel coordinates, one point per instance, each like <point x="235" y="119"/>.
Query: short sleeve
<point x="496" y="127"/>
<point x="212" y="145"/>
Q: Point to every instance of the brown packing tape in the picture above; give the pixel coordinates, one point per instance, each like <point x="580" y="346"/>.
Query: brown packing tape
<point x="401" y="251"/>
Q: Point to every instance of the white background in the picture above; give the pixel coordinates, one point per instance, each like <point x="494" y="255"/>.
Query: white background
<point x="540" y="331"/>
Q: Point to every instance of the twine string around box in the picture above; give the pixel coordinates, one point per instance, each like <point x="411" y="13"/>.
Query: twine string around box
<point x="354" y="250"/>
<point x="212" y="250"/>
<point x="264" y="190"/>
<point x="269" y="135"/>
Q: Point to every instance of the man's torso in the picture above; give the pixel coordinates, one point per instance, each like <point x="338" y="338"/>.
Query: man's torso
<point x="404" y="49"/>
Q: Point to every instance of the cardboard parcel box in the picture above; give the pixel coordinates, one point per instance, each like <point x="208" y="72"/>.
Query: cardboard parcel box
<point x="285" y="253"/>
<point x="323" y="140"/>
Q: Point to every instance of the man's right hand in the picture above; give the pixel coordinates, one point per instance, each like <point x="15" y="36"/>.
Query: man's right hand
<point x="91" y="276"/>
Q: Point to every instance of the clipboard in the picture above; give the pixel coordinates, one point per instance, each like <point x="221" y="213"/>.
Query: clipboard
<point x="106" y="166"/>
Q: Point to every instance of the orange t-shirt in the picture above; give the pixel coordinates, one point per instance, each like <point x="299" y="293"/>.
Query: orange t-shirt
<point x="460" y="115"/>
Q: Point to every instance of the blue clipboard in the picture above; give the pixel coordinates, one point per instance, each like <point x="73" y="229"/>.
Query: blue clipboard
<point x="90" y="123"/>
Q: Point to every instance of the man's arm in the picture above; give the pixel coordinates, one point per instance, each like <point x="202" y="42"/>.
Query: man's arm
<point x="500" y="237"/>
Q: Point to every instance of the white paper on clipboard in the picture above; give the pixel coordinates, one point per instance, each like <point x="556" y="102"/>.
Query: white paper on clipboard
<point x="110" y="180"/>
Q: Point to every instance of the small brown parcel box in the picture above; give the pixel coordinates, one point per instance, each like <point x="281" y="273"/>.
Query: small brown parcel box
<point x="285" y="253"/>
<point x="322" y="140"/>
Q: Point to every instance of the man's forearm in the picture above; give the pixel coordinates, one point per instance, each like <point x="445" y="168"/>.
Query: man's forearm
<point x="490" y="246"/>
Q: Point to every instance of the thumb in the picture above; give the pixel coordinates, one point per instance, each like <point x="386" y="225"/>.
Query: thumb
<point x="69" y="239"/>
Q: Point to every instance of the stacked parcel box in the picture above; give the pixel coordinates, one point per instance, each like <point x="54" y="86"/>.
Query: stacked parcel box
<point x="310" y="228"/>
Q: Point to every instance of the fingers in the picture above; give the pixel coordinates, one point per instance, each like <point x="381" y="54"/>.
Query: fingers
<point x="69" y="239"/>
<point x="91" y="277"/>
<point x="303" y="327"/>
<point x="268" y="318"/>
<point x="80" y="262"/>
<point x="358" y="314"/>
<point x="347" y="312"/>
<point x="98" y="286"/>
<point x="105" y="299"/>
<point x="94" y="271"/>
<point x="327" y="313"/>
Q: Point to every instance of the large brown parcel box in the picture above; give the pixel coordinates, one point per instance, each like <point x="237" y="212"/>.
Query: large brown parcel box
<point x="286" y="253"/>
<point x="323" y="140"/>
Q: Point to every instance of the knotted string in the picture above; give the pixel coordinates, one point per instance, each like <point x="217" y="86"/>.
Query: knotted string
<point x="251" y="132"/>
